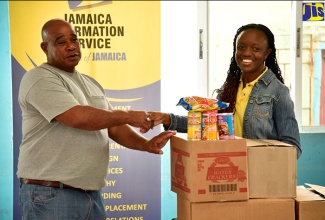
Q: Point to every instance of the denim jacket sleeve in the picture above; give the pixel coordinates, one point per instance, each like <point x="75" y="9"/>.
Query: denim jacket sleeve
<point x="178" y="123"/>
<point x="285" y="121"/>
<point x="270" y="113"/>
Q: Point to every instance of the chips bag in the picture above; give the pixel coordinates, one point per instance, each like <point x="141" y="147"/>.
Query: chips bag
<point x="199" y="104"/>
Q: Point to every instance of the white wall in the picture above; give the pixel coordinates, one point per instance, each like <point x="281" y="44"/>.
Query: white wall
<point x="179" y="46"/>
<point x="179" y="76"/>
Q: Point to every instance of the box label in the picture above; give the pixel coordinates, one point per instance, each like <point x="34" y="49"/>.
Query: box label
<point x="179" y="179"/>
<point x="209" y="170"/>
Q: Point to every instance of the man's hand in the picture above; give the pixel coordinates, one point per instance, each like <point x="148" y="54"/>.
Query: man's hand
<point x="92" y="118"/>
<point x="158" y="142"/>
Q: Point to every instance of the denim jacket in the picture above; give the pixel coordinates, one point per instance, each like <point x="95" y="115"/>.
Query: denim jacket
<point x="269" y="114"/>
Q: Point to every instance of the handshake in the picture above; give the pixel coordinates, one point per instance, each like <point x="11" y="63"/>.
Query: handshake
<point x="154" y="119"/>
<point x="146" y="121"/>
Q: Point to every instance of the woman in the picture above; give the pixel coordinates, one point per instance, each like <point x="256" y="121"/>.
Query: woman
<point x="255" y="91"/>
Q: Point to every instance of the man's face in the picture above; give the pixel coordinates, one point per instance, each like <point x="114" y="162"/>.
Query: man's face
<point x="61" y="47"/>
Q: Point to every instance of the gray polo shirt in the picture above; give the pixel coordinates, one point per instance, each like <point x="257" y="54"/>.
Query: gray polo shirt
<point x="51" y="150"/>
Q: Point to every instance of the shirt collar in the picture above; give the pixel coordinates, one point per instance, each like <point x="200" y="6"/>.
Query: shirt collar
<point x="254" y="81"/>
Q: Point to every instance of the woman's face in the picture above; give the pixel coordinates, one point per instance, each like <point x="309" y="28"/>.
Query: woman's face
<point x="251" y="51"/>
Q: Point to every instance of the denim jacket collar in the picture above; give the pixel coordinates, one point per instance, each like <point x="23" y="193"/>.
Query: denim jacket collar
<point x="267" y="77"/>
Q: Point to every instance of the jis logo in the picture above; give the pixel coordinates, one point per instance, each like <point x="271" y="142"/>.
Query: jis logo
<point x="313" y="11"/>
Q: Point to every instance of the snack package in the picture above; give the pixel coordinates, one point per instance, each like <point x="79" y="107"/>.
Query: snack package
<point x="199" y="104"/>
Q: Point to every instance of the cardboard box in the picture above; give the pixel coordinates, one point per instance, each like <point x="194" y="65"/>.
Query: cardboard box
<point x="310" y="203"/>
<point x="209" y="170"/>
<point x="252" y="209"/>
<point x="272" y="169"/>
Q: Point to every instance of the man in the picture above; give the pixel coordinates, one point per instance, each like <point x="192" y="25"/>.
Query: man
<point x="67" y="123"/>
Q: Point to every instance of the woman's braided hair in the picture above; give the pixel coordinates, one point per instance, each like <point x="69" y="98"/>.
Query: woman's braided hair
<point x="228" y="93"/>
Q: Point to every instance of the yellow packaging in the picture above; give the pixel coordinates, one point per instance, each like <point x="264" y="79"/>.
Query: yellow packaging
<point x="194" y="118"/>
<point x="194" y="132"/>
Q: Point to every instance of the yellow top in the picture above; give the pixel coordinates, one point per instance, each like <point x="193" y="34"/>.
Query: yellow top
<point x="241" y="103"/>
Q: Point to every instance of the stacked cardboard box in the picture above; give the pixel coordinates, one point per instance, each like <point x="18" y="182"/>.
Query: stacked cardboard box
<point x="233" y="179"/>
<point x="310" y="202"/>
<point x="272" y="169"/>
<point x="209" y="170"/>
<point x="252" y="209"/>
